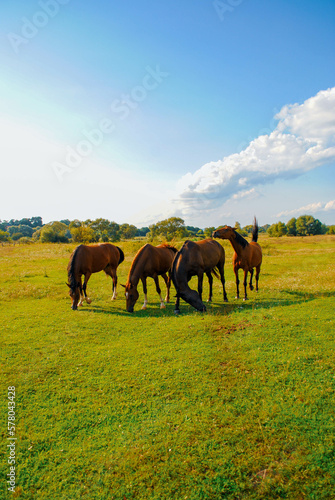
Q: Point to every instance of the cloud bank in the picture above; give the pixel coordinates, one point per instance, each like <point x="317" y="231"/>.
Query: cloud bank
<point x="311" y="208"/>
<point x="303" y="140"/>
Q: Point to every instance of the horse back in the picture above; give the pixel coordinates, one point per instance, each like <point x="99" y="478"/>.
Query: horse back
<point x="151" y="260"/>
<point x="95" y="258"/>
<point x="212" y="253"/>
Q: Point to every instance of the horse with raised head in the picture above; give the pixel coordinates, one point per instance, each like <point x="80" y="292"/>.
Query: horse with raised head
<point x="247" y="256"/>
<point x="195" y="259"/>
<point x="149" y="262"/>
<point x="88" y="259"/>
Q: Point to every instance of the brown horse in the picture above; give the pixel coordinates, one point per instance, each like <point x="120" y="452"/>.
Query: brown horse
<point x="86" y="260"/>
<point x="195" y="259"/>
<point x="149" y="262"/>
<point x="247" y="256"/>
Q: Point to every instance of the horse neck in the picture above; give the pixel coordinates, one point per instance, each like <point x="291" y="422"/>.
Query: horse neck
<point x="236" y="246"/>
<point x="136" y="270"/>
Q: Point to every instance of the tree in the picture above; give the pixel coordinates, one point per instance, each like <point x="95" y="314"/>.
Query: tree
<point x="82" y="233"/>
<point x="128" y="231"/>
<point x="277" y="230"/>
<point x="143" y="231"/>
<point x="306" y="225"/>
<point x="23" y="229"/>
<point x="36" y="222"/>
<point x="105" y="230"/>
<point x="54" y="232"/>
<point x="4" y="235"/>
<point x="291" y="227"/>
<point x="16" y="236"/>
<point x="174" y="227"/>
<point x="331" y="229"/>
<point x="208" y="231"/>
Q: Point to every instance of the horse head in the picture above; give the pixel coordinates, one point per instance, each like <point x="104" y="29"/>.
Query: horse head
<point x="225" y="233"/>
<point x="74" y="293"/>
<point x="132" y="295"/>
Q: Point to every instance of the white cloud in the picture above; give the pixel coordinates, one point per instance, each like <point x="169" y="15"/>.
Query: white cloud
<point x="309" y="209"/>
<point x="330" y="205"/>
<point x="303" y="140"/>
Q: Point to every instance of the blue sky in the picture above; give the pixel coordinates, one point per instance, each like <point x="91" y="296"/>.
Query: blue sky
<point x="137" y="111"/>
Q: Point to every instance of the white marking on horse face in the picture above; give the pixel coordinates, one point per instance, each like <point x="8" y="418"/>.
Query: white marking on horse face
<point x="127" y="295"/>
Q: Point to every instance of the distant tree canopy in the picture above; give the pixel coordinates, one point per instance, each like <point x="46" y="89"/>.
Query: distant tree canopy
<point x="174" y="227"/>
<point x="103" y="230"/>
<point x="4" y="236"/>
<point x="305" y="225"/>
<point x="54" y="232"/>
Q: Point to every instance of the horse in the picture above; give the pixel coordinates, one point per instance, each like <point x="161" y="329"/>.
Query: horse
<point x="86" y="260"/>
<point x="149" y="262"/>
<point x="195" y="259"/>
<point x="247" y="256"/>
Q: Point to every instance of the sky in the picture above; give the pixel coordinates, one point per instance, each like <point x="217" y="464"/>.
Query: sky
<point x="212" y="111"/>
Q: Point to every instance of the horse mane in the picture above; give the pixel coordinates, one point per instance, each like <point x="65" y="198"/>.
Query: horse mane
<point x="170" y="247"/>
<point x="174" y="263"/>
<point x="70" y="269"/>
<point x="255" y="230"/>
<point x="240" y="240"/>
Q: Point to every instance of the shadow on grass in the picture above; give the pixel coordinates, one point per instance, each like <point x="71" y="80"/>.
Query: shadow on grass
<point x="286" y="298"/>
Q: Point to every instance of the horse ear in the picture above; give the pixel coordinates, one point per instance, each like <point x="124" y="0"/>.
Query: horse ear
<point x="68" y="285"/>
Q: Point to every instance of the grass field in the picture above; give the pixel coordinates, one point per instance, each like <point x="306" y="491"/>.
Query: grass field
<point x="235" y="403"/>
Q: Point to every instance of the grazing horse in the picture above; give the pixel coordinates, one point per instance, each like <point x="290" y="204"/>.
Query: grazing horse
<point x="149" y="262"/>
<point x="247" y="256"/>
<point x="195" y="259"/>
<point x="86" y="260"/>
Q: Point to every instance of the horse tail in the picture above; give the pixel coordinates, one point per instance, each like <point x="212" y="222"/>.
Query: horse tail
<point x="121" y="256"/>
<point x="255" y="231"/>
<point x="215" y="272"/>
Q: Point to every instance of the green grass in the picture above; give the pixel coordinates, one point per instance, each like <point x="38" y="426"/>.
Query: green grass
<point x="235" y="403"/>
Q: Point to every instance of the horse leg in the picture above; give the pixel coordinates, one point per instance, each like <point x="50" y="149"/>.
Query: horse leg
<point x="81" y="290"/>
<point x="176" y="307"/>
<point x="167" y="280"/>
<point x="223" y="281"/>
<point x="155" y="277"/>
<point x="210" y="281"/>
<point x="145" y="291"/>
<point x="87" y="277"/>
<point x="200" y="281"/>
<point x="114" y="278"/>
<point x="250" y="282"/>
<point x="237" y="283"/>
<point x="258" y="270"/>
<point x="245" y="282"/>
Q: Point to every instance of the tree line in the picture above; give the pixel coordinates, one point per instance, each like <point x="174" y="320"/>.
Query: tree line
<point x="103" y="230"/>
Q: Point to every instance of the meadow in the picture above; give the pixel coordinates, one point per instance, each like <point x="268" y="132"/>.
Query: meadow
<point x="234" y="403"/>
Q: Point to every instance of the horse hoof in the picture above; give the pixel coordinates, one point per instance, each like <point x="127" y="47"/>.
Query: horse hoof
<point x="143" y="308"/>
<point x="162" y="306"/>
<point x="245" y="298"/>
<point x="251" y="287"/>
<point x="177" y="312"/>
